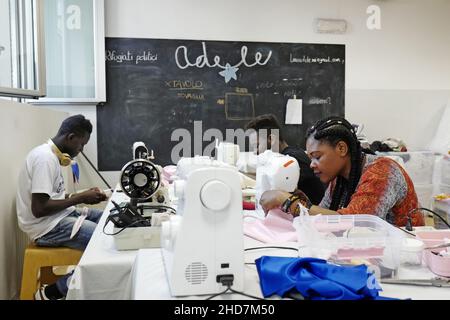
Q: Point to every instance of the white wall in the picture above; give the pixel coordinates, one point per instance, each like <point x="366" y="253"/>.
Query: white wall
<point x="409" y="52"/>
<point x="88" y="176"/>
<point x="22" y="127"/>
<point x="397" y="78"/>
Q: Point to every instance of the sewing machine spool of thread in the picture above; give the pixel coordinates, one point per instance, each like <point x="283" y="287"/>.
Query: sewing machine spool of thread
<point x="227" y="152"/>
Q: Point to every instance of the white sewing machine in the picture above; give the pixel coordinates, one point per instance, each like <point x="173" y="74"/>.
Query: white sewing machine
<point x="275" y="171"/>
<point x="203" y="243"/>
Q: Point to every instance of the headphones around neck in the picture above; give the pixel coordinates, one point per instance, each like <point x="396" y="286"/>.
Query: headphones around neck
<point x="64" y="158"/>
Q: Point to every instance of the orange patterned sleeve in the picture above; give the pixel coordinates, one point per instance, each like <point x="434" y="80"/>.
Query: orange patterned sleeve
<point x="371" y="190"/>
<point x="385" y="190"/>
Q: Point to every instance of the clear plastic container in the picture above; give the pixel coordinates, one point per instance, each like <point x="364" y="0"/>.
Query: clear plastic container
<point x="437" y="263"/>
<point x="418" y="164"/>
<point x="444" y="188"/>
<point x="424" y="194"/>
<point x="351" y="239"/>
<point x="442" y="208"/>
<point x="445" y="171"/>
<point x="411" y="252"/>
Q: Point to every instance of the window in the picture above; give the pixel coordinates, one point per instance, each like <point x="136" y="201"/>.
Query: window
<point x="22" y="62"/>
<point x="75" y="51"/>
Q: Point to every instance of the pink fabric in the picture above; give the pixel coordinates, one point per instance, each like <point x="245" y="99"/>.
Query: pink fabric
<point x="168" y="172"/>
<point x="275" y="227"/>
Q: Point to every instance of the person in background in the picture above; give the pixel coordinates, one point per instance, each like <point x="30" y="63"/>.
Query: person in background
<point x="45" y="212"/>
<point x="358" y="183"/>
<point x="274" y="140"/>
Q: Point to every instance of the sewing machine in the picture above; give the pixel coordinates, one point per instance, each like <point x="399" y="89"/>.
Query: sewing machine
<point x="202" y="246"/>
<point x="160" y="194"/>
<point x="137" y="223"/>
<point x="275" y="171"/>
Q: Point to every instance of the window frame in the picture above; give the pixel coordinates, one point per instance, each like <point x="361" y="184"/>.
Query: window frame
<point x="99" y="64"/>
<point x="38" y="62"/>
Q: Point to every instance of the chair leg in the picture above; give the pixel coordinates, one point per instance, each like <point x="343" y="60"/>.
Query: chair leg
<point x="47" y="276"/>
<point x="29" y="280"/>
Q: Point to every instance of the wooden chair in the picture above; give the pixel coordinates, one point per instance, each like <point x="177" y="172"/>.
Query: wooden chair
<point x="38" y="266"/>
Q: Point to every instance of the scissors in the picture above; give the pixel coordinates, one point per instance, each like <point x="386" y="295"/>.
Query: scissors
<point x="435" y="282"/>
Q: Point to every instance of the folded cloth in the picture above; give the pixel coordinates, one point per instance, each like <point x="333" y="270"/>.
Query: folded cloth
<point x="77" y="225"/>
<point x="315" y="279"/>
<point x="168" y="172"/>
<point x="275" y="227"/>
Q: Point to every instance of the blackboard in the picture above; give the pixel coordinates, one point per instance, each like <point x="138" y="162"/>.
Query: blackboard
<point x="155" y="86"/>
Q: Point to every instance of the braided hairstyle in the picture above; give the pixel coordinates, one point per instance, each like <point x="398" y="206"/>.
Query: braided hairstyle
<point x="333" y="130"/>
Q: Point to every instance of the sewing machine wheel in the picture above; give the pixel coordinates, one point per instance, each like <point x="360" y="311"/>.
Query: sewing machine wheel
<point x="140" y="179"/>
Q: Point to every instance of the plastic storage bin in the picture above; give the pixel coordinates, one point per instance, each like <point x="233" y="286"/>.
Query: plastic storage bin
<point x="411" y="252"/>
<point x="444" y="188"/>
<point x="351" y="239"/>
<point x="438" y="264"/>
<point x="424" y="194"/>
<point x="441" y="207"/>
<point x="137" y="238"/>
<point x="445" y="171"/>
<point x="418" y="164"/>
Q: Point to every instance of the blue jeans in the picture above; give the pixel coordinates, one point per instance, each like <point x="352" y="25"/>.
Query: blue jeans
<point x="59" y="236"/>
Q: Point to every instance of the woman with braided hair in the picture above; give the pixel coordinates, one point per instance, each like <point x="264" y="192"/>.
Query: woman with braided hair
<point x="358" y="182"/>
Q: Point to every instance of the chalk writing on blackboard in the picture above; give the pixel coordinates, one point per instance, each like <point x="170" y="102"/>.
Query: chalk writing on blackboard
<point x="321" y="101"/>
<point x="184" y="84"/>
<point x="319" y="60"/>
<point x="229" y="72"/>
<point x="191" y="96"/>
<point x="119" y="57"/>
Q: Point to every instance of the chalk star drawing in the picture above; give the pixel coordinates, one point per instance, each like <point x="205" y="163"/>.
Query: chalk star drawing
<point x="229" y="72"/>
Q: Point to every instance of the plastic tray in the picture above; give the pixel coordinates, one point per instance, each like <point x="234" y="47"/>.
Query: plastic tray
<point x="350" y="238"/>
<point x="439" y="265"/>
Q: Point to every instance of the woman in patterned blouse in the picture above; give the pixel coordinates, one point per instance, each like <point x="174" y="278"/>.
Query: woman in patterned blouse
<point x="358" y="183"/>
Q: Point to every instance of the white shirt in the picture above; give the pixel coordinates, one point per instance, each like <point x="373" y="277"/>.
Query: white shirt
<point x="41" y="173"/>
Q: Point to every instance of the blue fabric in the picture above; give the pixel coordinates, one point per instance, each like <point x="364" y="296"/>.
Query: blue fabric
<point x="315" y="279"/>
<point x="75" y="172"/>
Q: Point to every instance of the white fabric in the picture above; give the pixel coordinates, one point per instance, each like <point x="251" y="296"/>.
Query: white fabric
<point x="41" y="173"/>
<point x="77" y="225"/>
<point x="103" y="272"/>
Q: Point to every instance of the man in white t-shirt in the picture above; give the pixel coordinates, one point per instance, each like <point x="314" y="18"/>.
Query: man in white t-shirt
<point x="44" y="210"/>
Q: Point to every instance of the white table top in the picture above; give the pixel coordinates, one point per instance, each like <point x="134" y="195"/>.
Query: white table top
<point x="149" y="269"/>
<point x="106" y="273"/>
<point x="149" y="279"/>
<point x="103" y="272"/>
